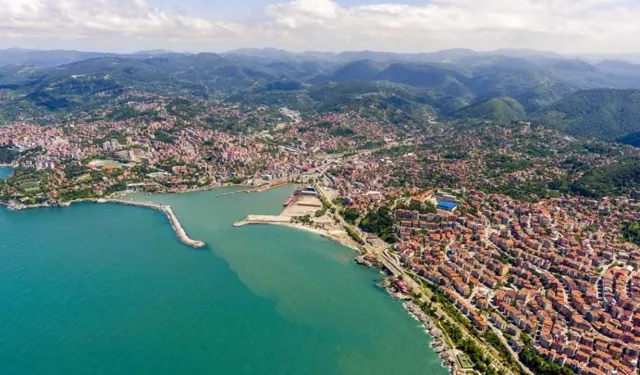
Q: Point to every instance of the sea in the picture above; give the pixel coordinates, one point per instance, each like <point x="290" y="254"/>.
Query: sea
<point x="109" y="289"/>
<point x="5" y="172"/>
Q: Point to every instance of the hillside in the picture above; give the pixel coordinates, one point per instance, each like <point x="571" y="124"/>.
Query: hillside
<point x="566" y="94"/>
<point x="604" y="114"/>
<point x="498" y="110"/>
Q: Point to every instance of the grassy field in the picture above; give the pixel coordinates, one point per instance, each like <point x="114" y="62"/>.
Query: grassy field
<point x="84" y="177"/>
<point x="105" y="164"/>
<point x="111" y="165"/>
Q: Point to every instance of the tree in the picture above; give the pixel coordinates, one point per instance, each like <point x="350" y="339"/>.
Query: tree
<point x="379" y="222"/>
<point x="350" y="215"/>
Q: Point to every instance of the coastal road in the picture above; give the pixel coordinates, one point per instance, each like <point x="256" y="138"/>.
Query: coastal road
<point x="385" y="259"/>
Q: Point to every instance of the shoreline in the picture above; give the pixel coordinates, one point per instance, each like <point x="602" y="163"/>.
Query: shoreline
<point x="175" y="223"/>
<point x="252" y="220"/>
<point x="439" y="342"/>
<point x="173" y="220"/>
<point x="430" y="327"/>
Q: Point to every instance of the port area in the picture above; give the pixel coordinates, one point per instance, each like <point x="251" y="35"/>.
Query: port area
<point x="300" y="213"/>
<point x="296" y="206"/>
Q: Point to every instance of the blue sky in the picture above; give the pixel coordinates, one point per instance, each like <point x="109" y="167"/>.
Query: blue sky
<point x="565" y="26"/>
<point x="245" y="9"/>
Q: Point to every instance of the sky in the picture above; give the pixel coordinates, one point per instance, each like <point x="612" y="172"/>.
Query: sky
<point x="564" y="26"/>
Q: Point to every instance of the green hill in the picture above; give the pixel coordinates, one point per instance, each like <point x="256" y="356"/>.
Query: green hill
<point x="397" y="87"/>
<point x="605" y="114"/>
<point x="499" y="110"/>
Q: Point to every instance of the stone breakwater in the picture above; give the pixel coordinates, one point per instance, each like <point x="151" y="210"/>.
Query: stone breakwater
<point x="175" y="223"/>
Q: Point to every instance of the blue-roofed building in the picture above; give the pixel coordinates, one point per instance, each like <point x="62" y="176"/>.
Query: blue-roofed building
<point x="447" y="206"/>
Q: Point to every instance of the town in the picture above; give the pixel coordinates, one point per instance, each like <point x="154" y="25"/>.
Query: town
<point x="501" y="227"/>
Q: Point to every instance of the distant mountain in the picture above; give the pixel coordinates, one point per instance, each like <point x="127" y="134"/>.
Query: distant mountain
<point x="361" y="70"/>
<point x="582" y="98"/>
<point x="605" y="114"/>
<point x="17" y="56"/>
<point x="632" y="139"/>
<point x="499" y="110"/>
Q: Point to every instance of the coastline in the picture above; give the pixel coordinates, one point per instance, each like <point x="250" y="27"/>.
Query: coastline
<point x="438" y="344"/>
<point x="273" y="220"/>
<point x="173" y="220"/>
<point x="175" y="223"/>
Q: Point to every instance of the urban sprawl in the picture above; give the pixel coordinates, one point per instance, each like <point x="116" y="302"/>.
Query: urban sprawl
<point x="465" y="219"/>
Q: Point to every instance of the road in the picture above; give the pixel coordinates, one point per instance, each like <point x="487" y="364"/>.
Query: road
<point x="390" y="263"/>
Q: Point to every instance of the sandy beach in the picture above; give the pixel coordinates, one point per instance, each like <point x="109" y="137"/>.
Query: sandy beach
<point x="285" y="221"/>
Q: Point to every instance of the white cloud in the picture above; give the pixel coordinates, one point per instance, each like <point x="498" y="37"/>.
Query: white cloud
<point x="561" y="25"/>
<point x="107" y="18"/>
<point x="565" y="25"/>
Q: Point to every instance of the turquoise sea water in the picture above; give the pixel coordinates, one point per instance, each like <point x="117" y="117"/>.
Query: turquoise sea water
<point x="108" y="289"/>
<point x="5" y="172"/>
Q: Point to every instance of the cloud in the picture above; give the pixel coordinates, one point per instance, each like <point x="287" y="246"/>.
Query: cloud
<point x="565" y="25"/>
<point x="107" y="18"/>
<point x="560" y="25"/>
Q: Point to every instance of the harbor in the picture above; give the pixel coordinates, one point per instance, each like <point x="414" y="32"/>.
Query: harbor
<point x="175" y="223"/>
<point x="300" y="212"/>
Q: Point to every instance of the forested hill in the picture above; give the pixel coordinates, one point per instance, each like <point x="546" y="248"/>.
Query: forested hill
<point x="606" y="114"/>
<point x="594" y="100"/>
<point x="500" y="110"/>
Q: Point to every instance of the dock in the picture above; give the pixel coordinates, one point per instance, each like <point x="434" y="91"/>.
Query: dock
<point x="233" y="192"/>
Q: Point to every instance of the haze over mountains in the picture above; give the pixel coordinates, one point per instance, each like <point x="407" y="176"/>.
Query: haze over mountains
<point x="593" y="96"/>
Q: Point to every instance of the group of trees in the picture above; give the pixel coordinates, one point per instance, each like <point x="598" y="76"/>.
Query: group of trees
<point x="540" y="366"/>
<point x="350" y="215"/>
<point x="8" y="155"/>
<point x="622" y="178"/>
<point x="422" y="207"/>
<point x="476" y="354"/>
<point x="379" y="222"/>
<point x="70" y="195"/>
<point x="631" y="232"/>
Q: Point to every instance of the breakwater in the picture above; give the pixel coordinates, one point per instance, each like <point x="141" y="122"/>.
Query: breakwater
<point x="175" y="223"/>
<point x="263" y="219"/>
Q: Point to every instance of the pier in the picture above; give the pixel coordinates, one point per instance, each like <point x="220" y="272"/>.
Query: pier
<point x="175" y="223"/>
<point x="263" y="219"/>
<point x="233" y="192"/>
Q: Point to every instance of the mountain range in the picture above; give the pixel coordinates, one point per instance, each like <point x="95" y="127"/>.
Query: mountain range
<point x="583" y="97"/>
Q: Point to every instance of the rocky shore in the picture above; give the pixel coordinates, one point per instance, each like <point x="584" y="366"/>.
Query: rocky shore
<point x="439" y="343"/>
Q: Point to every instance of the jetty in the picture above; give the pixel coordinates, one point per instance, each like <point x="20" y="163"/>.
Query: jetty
<point x="175" y="223"/>
<point x="233" y="192"/>
<point x="263" y="219"/>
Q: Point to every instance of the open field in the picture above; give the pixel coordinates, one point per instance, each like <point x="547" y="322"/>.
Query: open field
<point x="109" y="164"/>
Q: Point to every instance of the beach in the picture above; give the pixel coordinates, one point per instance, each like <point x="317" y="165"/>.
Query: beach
<point x="284" y="221"/>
